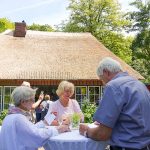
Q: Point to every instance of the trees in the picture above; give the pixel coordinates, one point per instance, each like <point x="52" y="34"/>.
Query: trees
<point x="95" y="15"/>
<point x="5" y="24"/>
<point x="104" y="20"/>
<point x="38" y="27"/>
<point x="141" y="43"/>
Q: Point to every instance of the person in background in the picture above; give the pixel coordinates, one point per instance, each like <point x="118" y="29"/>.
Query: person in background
<point x="38" y="109"/>
<point x="65" y="106"/>
<point x="23" y="134"/>
<point x="45" y="105"/>
<point x="123" y="114"/>
<point x="36" y="104"/>
<point x="35" y="116"/>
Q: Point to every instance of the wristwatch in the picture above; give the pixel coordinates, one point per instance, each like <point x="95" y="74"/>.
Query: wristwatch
<point x="85" y="134"/>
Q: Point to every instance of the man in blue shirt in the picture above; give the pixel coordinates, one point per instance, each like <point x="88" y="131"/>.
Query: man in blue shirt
<point x="123" y="114"/>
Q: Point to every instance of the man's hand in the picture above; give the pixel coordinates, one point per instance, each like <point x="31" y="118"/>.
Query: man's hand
<point x="83" y="129"/>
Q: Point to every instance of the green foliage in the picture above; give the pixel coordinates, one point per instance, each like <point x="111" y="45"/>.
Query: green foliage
<point x="5" y="24"/>
<point x="95" y="15"/>
<point x="140" y="17"/>
<point x="118" y="44"/>
<point x="75" y="119"/>
<point x="141" y="44"/>
<point x="88" y="110"/>
<point x="139" y="65"/>
<point x="3" y="115"/>
<point x="104" y="20"/>
<point x="38" y="27"/>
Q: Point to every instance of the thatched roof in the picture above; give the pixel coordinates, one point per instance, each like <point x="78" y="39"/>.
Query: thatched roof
<point x="52" y="55"/>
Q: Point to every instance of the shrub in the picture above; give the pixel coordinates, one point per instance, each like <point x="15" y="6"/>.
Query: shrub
<point x="3" y="115"/>
<point x="88" y="110"/>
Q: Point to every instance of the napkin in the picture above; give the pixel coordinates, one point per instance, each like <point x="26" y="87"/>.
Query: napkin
<point x="49" y="118"/>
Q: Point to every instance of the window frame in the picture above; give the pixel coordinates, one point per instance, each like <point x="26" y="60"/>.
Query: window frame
<point x="80" y="102"/>
<point x="10" y="91"/>
<point x="94" y="94"/>
<point x="1" y="98"/>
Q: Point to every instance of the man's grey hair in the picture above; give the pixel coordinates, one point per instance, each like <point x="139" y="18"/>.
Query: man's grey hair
<point x="108" y="64"/>
<point x="22" y="93"/>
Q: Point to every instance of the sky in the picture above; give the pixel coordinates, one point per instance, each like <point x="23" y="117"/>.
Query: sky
<point x="51" y="12"/>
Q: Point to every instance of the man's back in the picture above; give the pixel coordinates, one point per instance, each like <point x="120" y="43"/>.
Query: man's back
<point x="126" y="103"/>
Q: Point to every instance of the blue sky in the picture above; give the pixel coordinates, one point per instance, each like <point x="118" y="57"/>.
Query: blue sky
<point x="50" y="12"/>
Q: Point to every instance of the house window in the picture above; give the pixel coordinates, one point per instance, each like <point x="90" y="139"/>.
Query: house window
<point x="80" y="93"/>
<point x="91" y="93"/>
<point x="7" y="96"/>
<point x="1" y="103"/>
<point x="94" y="94"/>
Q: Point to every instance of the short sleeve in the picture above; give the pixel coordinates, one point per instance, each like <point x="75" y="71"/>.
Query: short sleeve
<point x="53" y="107"/>
<point x="110" y="107"/>
<point x="76" y="106"/>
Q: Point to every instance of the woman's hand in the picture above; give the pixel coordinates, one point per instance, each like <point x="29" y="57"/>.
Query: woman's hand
<point x="54" y="123"/>
<point x="65" y="120"/>
<point x="63" y="128"/>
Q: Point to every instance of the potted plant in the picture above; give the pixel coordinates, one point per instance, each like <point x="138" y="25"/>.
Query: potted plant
<point x="75" y="121"/>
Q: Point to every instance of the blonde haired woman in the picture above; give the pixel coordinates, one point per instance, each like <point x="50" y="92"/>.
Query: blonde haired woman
<point x="65" y="105"/>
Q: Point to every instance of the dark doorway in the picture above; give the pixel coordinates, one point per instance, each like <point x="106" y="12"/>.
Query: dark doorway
<point x="50" y="90"/>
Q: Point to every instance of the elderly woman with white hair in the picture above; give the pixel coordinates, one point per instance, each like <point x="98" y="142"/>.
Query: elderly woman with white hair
<point x="123" y="114"/>
<point x="65" y="106"/>
<point x="17" y="132"/>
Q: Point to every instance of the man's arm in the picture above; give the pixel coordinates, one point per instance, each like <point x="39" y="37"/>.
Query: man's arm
<point x="99" y="133"/>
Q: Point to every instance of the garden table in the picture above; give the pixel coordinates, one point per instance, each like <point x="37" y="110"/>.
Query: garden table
<point x="73" y="141"/>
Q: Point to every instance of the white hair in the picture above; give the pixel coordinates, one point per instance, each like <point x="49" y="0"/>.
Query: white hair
<point x="25" y="83"/>
<point x="109" y="64"/>
<point x="22" y="93"/>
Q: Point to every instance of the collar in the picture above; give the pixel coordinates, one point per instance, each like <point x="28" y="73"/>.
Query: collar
<point x="120" y="74"/>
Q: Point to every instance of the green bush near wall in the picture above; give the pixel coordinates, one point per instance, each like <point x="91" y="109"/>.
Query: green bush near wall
<point x="3" y="115"/>
<point x="88" y="110"/>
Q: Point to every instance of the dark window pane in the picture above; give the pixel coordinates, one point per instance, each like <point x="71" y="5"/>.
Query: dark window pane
<point x="78" y="90"/>
<point x="78" y="98"/>
<point x="96" y="90"/>
<point x="91" y="90"/>
<point x="12" y="88"/>
<point x="7" y="90"/>
<point x="91" y="98"/>
<point x="97" y="98"/>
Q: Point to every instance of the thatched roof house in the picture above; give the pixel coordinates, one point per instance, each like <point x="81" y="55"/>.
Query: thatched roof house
<point x="46" y="58"/>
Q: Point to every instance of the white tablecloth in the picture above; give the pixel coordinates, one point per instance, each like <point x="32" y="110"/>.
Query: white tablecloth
<point x="73" y="141"/>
